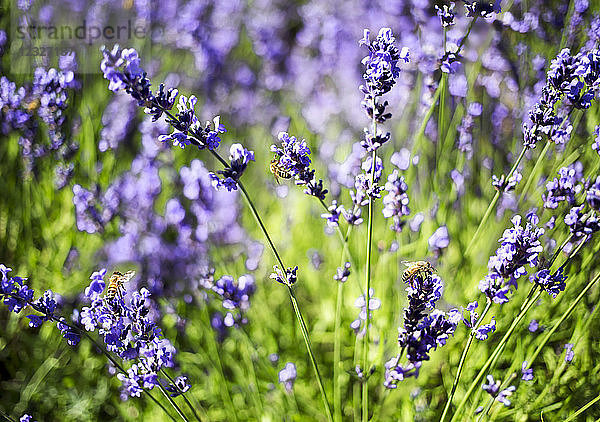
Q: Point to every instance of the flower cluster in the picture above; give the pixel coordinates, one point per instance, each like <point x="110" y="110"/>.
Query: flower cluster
<point x="482" y="331"/>
<point x="519" y="246"/>
<point x="553" y="283"/>
<point x="293" y="158"/>
<point x="17" y="295"/>
<point x="593" y="195"/>
<point x="342" y="273"/>
<point x="504" y="184"/>
<point x="36" y="111"/>
<point x="235" y="299"/>
<point x="425" y="328"/>
<point x="446" y="14"/>
<point x="381" y="68"/>
<point x="563" y="188"/>
<point x="484" y="9"/>
<point x="123" y="71"/>
<point x="288" y="277"/>
<point x="359" y="324"/>
<point x="395" y="203"/>
<point x="526" y="373"/>
<point x="287" y="376"/>
<point x="239" y="157"/>
<point x="572" y="77"/>
<point x="128" y="330"/>
<point x="180" y="386"/>
<point x="581" y="224"/>
<point x="492" y="387"/>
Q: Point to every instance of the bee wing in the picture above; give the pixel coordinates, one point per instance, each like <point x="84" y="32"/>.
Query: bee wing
<point x="128" y="276"/>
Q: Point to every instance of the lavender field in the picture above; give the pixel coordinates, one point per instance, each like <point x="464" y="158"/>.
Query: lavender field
<point x="305" y="210"/>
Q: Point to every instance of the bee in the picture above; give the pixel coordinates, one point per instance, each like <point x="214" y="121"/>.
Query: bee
<point x="32" y="105"/>
<point x="115" y="284"/>
<point x="421" y="269"/>
<point x="279" y="170"/>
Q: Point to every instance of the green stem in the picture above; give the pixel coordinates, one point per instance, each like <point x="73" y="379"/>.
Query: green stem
<point x="337" y="356"/>
<point x="310" y="351"/>
<point x="583" y="409"/>
<point x="214" y="351"/>
<point x="293" y="299"/>
<point x="564" y="316"/>
<point x="461" y="363"/>
<point x="496" y="353"/>
<point x="365" y="360"/>
<point x="166" y="394"/>
<point x="536" y="168"/>
<point x="181" y="393"/>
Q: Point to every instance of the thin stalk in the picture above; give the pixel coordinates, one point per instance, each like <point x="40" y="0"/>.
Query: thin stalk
<point x="583" y="409"/>
<point x="536" y="168"/>
<point x="181" y="393"/>
<point x="564" y="316"/>
<point x="365" y="360"/>
<point x="337" y="356"/>
<point x="224" y="390"/>
<point x="293" y="300"/>
<point x="337" y="342"/>
<point x="166" y="394"/>
<point x="496" y="353"/>
<point x="262" y="226"/>
<point x="5" y="416"/>
<point x="461" y="363"/>
<point x="492" y="204"/>
<point x="310" y="351"/>
<point x="284" y="270"/>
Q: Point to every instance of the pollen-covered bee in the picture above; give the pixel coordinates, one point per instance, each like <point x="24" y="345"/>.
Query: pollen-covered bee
<point x="421" y="269"/>
<point x="32" y="105"/>
<point x="115" y="284"/>
<point x="279" y="170"/>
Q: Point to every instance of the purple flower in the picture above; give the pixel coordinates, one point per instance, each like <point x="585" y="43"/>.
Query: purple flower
<point x="180" y="386"/>
<point x="563" y="188"/>
<point x="289" y="277"/>
<point x="527" y="374"/>
<point x="493" y="389"/>
<point x="593" y="195"/>
<point x="483" y="331"/>
<point x="343" y="273"/>
<point x="581" y="224"/>
<point x="503" y="184"/>
<point x="533" y="326"/>
<point x="381" y="71"/>
<point x="294" y="157"/>
<point x="239" y="158"/>
<point x="439" y="240"/>
<point x="358" y="325"/>
<point x="519" y="246"/>
<point x="551" y="283"/>
<point x="333" y="214"/>
<point x="446" y="14"/>
<point x="26" y="418"/>
<point x="395" y="203"/>
<point x="422" y="331"/>
<point x="97" y="285"/>
<point x="483" y="9"/>
<point x="569" y="355"/>
<point x="596" y="144"/>
<point x="287" y="376"/>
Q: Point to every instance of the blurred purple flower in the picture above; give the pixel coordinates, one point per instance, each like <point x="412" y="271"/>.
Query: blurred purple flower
<point x="287" y="376"/>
